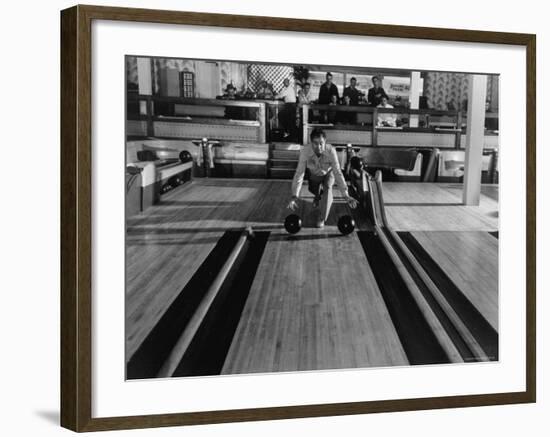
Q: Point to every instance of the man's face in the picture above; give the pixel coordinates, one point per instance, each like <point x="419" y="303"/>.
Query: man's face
<point x="286" y="82"/>
<point x="384" y="101"/>
<point x="231" y="92"/>
<point x="307" y="88"/>
<point x="318" y="145"/>
<point x="329" y="79"/>
<point x="353" y="82"/>
<point x="375" y="82"/>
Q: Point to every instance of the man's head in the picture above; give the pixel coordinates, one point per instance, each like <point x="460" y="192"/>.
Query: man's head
<point x="329" y="77"/>
<point x="384" y="101"/>
<point x="318" y="141"/>
<point x="286" y="82"/>
<point x="230" y="90"/>
<point x="376" y="81"/>
<point x="353" y="82"/>
<point x="307" y="87"/>
<point x="347" y="100"/>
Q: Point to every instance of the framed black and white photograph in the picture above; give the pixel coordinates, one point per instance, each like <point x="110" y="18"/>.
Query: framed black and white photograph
<point x="270" y="218"/>
<point x="399" y="267"/>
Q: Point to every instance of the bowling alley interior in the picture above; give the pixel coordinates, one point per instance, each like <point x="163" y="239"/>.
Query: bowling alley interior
<point x="287" y="218"/>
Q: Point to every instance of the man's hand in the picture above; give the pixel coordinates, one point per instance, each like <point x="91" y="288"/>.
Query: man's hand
<point x="293" y="204"/>
<point x="351" y="202"/>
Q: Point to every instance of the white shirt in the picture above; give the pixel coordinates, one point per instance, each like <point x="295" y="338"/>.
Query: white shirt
<point x="319" y="166"/>
<point x="303" y="97"/>
<point x="386" y="119"/>
<point x="287" y="94"/>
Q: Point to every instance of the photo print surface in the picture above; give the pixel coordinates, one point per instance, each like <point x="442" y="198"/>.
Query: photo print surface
<point x="286" y="218"/>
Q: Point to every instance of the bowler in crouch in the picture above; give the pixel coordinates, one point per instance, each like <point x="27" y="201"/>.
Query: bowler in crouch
<point x="321" y="161"/>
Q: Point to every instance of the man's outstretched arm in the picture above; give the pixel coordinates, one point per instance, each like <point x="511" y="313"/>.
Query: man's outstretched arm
<point x="340" y="180"/>
<point x="298" y="178"/>
<point x="338" y="175"/>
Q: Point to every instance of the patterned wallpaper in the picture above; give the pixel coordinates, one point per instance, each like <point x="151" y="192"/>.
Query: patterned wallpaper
<point x="163" y="63"/>
<point x="159" y="63"/>
<point x="443" y="90"/>
<point x="450" y="90"/>
<point x="230" y="72"/>
<point x="492" y="92"/>
<point x="131" y="70"/>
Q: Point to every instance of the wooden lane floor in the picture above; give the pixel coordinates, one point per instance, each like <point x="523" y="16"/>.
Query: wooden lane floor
<point x="454" y="236"/>
<point x="437" y="207"/>
<point x="314" y="304"/>
<point x="306" y="311"/>
<point x="166" y="245"/>
<point x="470" y="260"/>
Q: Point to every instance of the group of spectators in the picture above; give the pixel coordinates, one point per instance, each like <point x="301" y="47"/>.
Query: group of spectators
<point x="328" y="95"/>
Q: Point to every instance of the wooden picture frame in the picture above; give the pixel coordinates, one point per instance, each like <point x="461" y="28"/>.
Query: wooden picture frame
<point x="76" y="217"/>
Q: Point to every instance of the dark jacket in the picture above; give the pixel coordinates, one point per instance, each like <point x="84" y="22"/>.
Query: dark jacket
<point x="375" y="96"/>
<point x="353" y="94"/>
<point x="325" y="92"/>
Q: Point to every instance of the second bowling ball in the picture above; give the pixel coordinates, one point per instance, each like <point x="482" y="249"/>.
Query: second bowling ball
<point x="185" y="156"/>
<point x="293" y="224"/>
<point x="346" y="224"/>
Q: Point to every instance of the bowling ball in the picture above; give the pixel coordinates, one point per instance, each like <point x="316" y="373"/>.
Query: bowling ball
<point x="346" y="224"/>
<point x="293" y="224"/>
<point x="185" y="156"/>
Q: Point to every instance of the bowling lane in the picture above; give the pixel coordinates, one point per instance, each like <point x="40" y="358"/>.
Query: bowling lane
<point x="437" y="207"/>
<point x="314" y="304"/>
<point x="470" y="260"/>
<point x="167" y="244"/>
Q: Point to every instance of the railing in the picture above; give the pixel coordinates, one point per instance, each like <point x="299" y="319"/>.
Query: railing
<point x="358" y="119"/>
<point x="255" y="120"/>
<point x="215" y="112"/>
